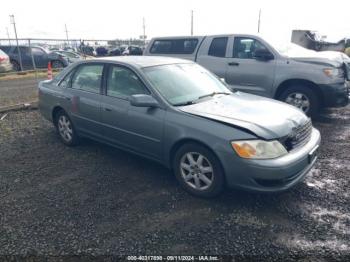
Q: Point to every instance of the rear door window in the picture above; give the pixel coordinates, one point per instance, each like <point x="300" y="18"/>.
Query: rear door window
<point x="174" y="46"/>
<point x="88" y="78"/>
<point x="6" y="49"/>
<point x="218" y="47"/>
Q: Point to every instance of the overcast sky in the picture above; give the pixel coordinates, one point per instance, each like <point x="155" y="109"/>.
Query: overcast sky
<point x="105" y="19"/>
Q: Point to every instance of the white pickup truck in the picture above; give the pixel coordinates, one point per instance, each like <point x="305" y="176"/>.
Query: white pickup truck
<point x="306" y="79"/>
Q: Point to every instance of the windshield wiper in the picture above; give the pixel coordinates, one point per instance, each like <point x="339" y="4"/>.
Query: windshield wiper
<point x="200" y="97"/>
<point x="184" y="103"/>
<point x="213" y="94"/>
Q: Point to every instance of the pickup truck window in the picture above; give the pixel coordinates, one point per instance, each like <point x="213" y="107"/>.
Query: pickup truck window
<point x="174" y="46"/>
<point x="218" y="47"/>
<point x="244" y="47"/>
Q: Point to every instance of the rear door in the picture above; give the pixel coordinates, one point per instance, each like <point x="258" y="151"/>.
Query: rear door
<point x="83" y="98"/>
<point x="213" y="55"/>
<point x="246" y="73"/>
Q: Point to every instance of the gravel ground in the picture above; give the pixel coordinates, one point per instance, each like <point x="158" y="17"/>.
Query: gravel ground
<point x="17" y="91"/>
<point x="96" y="200"/>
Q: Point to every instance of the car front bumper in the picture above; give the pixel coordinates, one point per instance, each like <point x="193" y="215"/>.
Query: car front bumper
<point x="272" y="175"/>
<point x="335" y="95"/>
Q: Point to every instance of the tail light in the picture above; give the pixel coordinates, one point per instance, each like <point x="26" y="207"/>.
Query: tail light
<point x="3" y="58"/>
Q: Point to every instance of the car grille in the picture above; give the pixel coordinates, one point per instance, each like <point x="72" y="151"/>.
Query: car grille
<point x="299" y="136"/>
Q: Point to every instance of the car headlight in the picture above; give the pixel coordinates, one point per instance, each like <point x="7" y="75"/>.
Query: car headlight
<point x="333" y="72"/>
<point x="259" y="149"/>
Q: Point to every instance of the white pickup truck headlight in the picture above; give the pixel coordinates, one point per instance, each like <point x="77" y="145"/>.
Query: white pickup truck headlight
<point x="334" y="72"/>
<point x="259" y="149"/>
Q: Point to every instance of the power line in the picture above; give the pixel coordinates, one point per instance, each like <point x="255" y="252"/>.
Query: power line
<point x="12" y="20"/>
<point x="259" y="20"/>
<point x="144" y="31"/>
<point x="191" y="22"/>
<point x="66" y="30"/>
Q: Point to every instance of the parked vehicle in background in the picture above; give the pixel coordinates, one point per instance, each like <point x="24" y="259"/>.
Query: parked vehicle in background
<point x="101" y="51"/>
<point x="290" y="73"/>
<point x="115" y="52"/>
<point x="132" y="50"/>
<point x="41" y="57"/>
<point x="5" y="64"/>
<point x="178" y="113"/>
<point x="72" y="57"/>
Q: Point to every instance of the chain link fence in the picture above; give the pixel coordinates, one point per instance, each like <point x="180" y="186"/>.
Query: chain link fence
<point x="33" y="54"/>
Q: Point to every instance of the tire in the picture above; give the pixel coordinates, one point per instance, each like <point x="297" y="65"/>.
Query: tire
<point x="65" y="129"/>
<point x="57" y="64"/>
<point x="213" y="183"/>
<point x="299" y="96"/>
<point x="16" y="66"/>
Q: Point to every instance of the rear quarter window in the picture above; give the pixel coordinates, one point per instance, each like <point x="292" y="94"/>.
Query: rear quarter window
<point x="174" y="46"/>
<point x="6" y="49"/>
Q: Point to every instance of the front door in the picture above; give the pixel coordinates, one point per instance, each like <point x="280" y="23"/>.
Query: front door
<point x="40" y="57"/>
<point x="248" y="74"/>
<point x="136" y="128"/>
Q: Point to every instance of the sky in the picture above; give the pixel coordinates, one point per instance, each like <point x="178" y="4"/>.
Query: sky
<point x="113" y="19"/>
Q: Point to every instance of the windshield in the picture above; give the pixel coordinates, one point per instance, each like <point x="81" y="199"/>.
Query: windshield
<point x="292" y="50"/>
<point x="183" y="84"/>
<point x="69" y="54"/>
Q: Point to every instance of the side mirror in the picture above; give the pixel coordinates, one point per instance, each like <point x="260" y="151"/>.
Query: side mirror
<point x="143" y="101"/>
<point x="263" y="54"/>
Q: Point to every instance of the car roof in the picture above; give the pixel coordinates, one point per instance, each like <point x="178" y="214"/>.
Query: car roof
<point x="143" y="61"/>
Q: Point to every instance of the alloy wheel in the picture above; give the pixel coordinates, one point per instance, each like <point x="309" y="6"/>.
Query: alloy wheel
<point x="299" y="100"/>
<point x="196" y="170"/>
<point x="65" y="128"/>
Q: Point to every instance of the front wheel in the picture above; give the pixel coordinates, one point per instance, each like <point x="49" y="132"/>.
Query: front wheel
<point x="303" y="98"/>
<point x="198" y="170"/>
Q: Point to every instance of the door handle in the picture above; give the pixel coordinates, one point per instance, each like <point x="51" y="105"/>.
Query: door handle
<point x="233" y="64"/>
<point x="107" y="109"/>
<point x="67" y="98"/>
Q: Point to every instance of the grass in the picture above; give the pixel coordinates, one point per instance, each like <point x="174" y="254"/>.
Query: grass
<point x="25" y="75"/>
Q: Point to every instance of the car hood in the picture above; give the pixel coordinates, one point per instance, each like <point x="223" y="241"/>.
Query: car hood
<point x="324" y="58"/>
<point x="266" y="118"/>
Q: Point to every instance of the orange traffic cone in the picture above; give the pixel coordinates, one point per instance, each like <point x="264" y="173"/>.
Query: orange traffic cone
<point x="49" y="71"/>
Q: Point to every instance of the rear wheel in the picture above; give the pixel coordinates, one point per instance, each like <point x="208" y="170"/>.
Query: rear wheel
<point x="65" y="129"/>
<point x="302" y="97"/>
<point x="15" y="66"/>
<point x="198" y="170"/>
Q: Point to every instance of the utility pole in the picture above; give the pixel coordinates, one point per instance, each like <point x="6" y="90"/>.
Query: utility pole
<point x="12" y="20"/>
<point x="65" y="26"/>
<point x="144" y="32"/>
<point x="259" y="20"/>
<point x="8" y="35"/>
<point x="191" y="22"/>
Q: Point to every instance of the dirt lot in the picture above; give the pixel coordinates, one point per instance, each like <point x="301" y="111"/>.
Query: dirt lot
<point x="17" y="91"/>
<point x="96" y="200"/>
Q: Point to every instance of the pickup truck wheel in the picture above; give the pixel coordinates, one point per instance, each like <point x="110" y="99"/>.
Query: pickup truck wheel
<point x="65" y="129"/>
<point x="198" y="170"/>
<point x="302" y="97"/>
